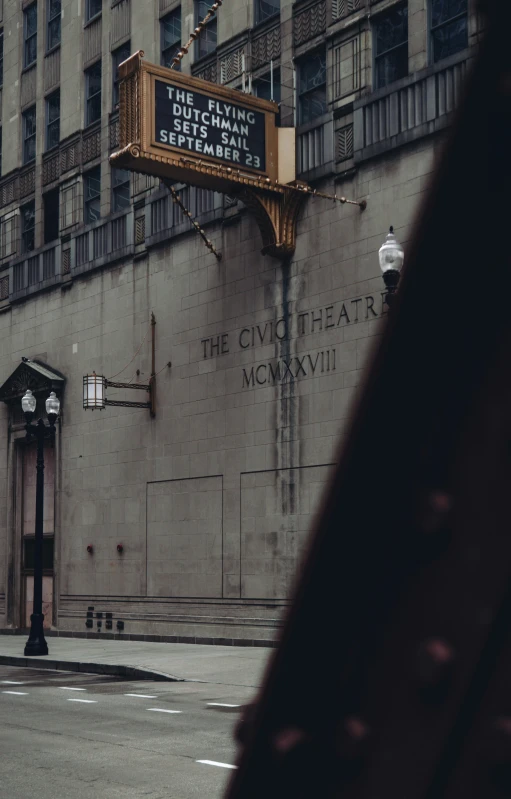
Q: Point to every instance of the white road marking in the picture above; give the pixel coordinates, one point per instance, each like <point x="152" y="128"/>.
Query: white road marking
<point x="162" y="710"/>
<point x="65" y="688"/>
<point x="214" y="763"/>
<point x="221" y="704"/>
<point x="143" y="696"/>
<point x="15" y="693"/>
<point x="11" y="682"/>
<point x="85" y="701"/>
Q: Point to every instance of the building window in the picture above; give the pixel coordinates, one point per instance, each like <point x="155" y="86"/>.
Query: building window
<point x="0" y="152"/>
<point x="449" y="27"/>
<point x="268" y="87"/>
<point x="118" y="56"/>
<point x="53" y="10"/>
<point x="51" y="215"/>
<point x="30" y="34"/>
<point x="207" y="41"/>
<point x="93" y="93"/>
<point x="170" y="37"/>
<point x="391" y="46"/>
<point x="92" y="8"/>
<point x="29" y="130"/>
<point x="312" y="88"/>
<point x="1" y="58"/>
<point x="28" y="227"/>
<point x="264" y="9"/>
<point x="52" y="120"/>
<point x="92" y="194"/>
<point x="120" y="189"/>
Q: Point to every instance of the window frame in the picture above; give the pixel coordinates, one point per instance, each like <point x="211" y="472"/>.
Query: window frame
<point x="24" y="230"/>
<point x="90" y="98"/>
<point x="213" y="23"/>
<point x="176" y="46"/>
<point x="2" y="58"/>
<point x="258" y="18"/>
<point x="32" y="136"/>
<point x="115" y="73"/>
<point x="431" y="31"/>
<point x="313" y="89"/>
<point x="26" y="38"/>
<point x="394" y="48"/>
<point x="115" y="186"/>
<point x="47" y="123"/>
<point x="49" y="20"/>
<point x="87" y="200"/>
<point x="90" y="17"/>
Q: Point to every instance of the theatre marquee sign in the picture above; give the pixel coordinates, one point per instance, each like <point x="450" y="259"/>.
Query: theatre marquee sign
<point x="199" y="124"/>
<point x="185" y="129"/>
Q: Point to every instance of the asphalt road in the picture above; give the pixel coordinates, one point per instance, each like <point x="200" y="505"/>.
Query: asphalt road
<point x="72" y="736"/>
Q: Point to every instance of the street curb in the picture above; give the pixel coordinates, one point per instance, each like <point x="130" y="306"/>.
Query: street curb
<point x="131" y="672"/>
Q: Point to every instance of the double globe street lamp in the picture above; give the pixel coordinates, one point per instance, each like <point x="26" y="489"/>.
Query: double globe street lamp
<point x="36" y="644"/>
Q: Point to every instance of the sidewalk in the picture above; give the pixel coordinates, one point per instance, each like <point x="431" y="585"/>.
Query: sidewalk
<point x="229" y="665"/>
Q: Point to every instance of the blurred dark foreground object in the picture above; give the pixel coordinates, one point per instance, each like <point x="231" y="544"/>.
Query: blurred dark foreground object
<point x="393" y="676"/>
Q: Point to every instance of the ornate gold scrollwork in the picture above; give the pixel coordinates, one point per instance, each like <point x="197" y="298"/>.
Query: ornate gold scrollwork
<point x="276" y="215"/>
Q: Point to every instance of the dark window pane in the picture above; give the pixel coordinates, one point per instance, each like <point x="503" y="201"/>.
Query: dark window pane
<point x="28" y="227"/>
<point x="312" y="105"/>
<point x="208" y="38"/>
<point x="51" y="215"/>
<point x="93" y="90"/>
<point x="171" y="28"/>
<point x="29" y="553"/>
<point x="266" y="9"/>
<point x="30" y="20"/>
<point x="391" y="67"/>
<point x="53" y="137"/>
<point x="30" y="50"/>
<point x="53" y="37"/>
<point x="313" y="72"/>
<point x="450" y="39"/>
<point x="391" y="46"/>
<point x="121" y="198"/>
<point x="29" y="133"/>
<point x="53" y="33"/>
<point x="263" y="87"/>
<point x="120" y="55"/>
<point x="1" y="58"/>
<point x="170" y="37"/>
<point x="93" y="8"/>
<point x="94" y="79"/>
<point x="391" y="30"/>
<point x="445" y="10"/>
<point x="54" y="8"/>
<point x="92" y="191"/>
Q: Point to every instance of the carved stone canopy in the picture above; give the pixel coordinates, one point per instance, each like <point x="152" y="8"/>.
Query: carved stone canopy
<point x="36" y="376"/>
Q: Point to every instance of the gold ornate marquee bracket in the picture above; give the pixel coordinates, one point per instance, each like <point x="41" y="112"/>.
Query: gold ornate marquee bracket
<point x="276" y="216"/>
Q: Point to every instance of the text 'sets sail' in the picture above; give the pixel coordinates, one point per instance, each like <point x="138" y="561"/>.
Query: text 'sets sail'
<point x="205" y="126"/>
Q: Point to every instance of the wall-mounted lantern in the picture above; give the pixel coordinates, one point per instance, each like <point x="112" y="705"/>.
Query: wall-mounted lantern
<point x="95" y="386"/>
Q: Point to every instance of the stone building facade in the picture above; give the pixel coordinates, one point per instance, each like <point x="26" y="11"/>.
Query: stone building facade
<point x="213" y="498"/>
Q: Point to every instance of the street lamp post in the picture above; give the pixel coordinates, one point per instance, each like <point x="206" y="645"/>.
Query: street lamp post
<point x="391" y="256"/>
<point x="36" y="644"/>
